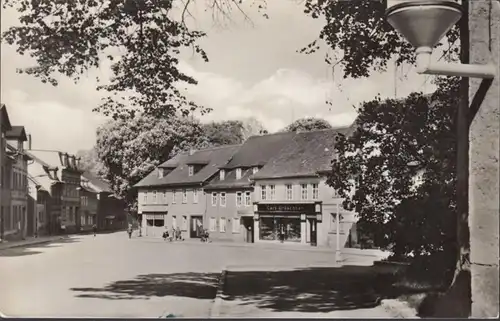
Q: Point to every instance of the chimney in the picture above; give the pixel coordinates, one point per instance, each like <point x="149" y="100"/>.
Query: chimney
<point x="29" y="141"/>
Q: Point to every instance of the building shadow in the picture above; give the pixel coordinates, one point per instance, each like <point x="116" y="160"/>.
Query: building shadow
<point x="29" y="248"/>
<point x="310" y="289"/>
<point x="191" y="285"/>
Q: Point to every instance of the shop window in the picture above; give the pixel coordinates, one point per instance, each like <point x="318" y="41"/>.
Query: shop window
<point x="222" y="199"/>
<point x="222" y="225"/>
<point x="279" y="228"/>
<point x="159" y="222"/>
<point x="239" y="199"/>
<point x="184" y="223"/>
<point x="213" y="224"/>
<point x="174" y="222"/>
<point x="214" y="199"/>
<point x="236" y="225"/>
<point x="248" y="199"/>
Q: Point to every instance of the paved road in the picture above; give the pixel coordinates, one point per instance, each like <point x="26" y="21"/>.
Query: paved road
<point x="112" y="276"/>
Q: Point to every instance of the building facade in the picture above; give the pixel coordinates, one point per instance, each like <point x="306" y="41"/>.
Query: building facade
<point x="172" y="195"/>
<point x="5" y="126"/>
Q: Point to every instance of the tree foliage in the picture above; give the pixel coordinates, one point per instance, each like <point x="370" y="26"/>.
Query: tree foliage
<point x="374" y="171"/>
<point x="251" y="127"/>
<point x="89" y="161"/>
<point x="307" y="124"/>
<point x="359" y="31"/>
<point x="141" y="39"/>
<point x="130" y="149"/>
<point x="229" y="132"/>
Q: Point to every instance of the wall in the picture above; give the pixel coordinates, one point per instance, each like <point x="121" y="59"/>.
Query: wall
<point x="326" y="229"/>
<point x="484" y="23"/>
<point x="19" y="197"/>
<point x="229" y="212"/>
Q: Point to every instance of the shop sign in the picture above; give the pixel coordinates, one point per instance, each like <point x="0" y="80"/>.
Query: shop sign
<point x="287" y="208"/>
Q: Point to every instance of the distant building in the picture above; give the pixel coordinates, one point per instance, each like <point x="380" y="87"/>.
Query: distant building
<point x="172" y="195"/>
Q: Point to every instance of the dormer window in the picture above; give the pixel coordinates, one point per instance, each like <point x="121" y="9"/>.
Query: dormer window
<point x="222" y="174"/>
<point x="238" y="173"/>
<point x="255" y="170"/>
<point x="191" y="170"/>
<point x="160" y="172"/>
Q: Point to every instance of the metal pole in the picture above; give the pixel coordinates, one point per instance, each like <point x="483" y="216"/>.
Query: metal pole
<point x="338" y="256"/>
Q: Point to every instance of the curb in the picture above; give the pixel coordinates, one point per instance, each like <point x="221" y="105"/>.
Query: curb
<point x="32" y="243"/>
<point x="215" y="310"/>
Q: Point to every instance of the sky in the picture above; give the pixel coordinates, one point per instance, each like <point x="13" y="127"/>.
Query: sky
<point x="254" y="70"/>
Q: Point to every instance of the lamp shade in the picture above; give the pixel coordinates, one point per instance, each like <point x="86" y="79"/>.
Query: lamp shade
<point x="424" y="22"/>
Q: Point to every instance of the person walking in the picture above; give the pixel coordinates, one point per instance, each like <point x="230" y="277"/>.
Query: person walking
<point x="94" y="229"/>
<point x="129" y="231"/>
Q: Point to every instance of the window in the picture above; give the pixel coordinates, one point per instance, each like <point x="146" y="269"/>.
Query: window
<point x="222" y="174"/>
<point x="195" y="196"/>
<point x="238" y="173"/>
<point x="222" y="225"/>
<point x="222" y="199"/>
<point x="174" y="197"/>
<point x="255" y="170"/>
<point x="236" y="225"/>
<point x="154" y="197"/>
<point x="247" y="199"/>
<point x="303" y="192"/>
<point x="214" y="199"/>
<point x="184" y="223"/>
<point x="191" y="170"/>
<point x="160" y="172"/>
<point x="272" y="189"/>
<point x="315" y="191"/>
<point x="165" y="200"/>
<point x="263" y="192"/>
<point x="239" y="199"/>
<point x="174" y="221"/>
<point x="145" y="197"/>
<point x="213" y="224"/>
<point x="289" y="192"/>
<point x="184" y="196"/>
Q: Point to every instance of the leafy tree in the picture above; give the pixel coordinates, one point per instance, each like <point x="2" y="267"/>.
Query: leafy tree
<point x="130" y="149"/>
<point x="374" y="172"/>
<point x="89" y="161"/>
<point x="251" y="127"/>
<point x="229" y="132"/>
<point x="141" y="39"/>
<point x="307" y="124"/>
<point x="359" y="31"/>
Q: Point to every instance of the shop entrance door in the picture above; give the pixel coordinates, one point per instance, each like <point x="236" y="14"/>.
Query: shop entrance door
<point x="196" y="226"/>
<point x="248" y="225"/>
<point x="313" y="231"/>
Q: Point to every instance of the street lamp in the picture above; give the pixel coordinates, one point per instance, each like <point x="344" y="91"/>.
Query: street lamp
<point x="424" y="23"/>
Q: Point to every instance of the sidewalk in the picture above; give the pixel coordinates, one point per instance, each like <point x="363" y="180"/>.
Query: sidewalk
<point x="4" y="245"/>
<point x="347" y="291"/>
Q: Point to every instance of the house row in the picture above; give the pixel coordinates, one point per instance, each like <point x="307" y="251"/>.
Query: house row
<point x="271" y="188"/>
<point x="46" y="191"/>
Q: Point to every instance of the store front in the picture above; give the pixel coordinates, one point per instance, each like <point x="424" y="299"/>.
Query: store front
<point x="287" y="222"/>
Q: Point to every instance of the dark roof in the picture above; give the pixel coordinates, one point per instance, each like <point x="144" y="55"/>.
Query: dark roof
<point x="216" y="156"/>
<point x="5" y="125"/>
<point x="308" y="154"/>
<point x="257" y="150"/>
<point x="16" y="132"/>
<point x="230" y="180"/>
<point x="175" y="161"/>
<point x="99" y="183"/>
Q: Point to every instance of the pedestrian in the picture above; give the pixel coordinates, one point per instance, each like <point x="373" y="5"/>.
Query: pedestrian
<point x="94" y="228"/>
<point x="130" y="231"/>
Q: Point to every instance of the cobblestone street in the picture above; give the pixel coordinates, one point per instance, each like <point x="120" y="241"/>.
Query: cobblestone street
<point x="112" y="276"/>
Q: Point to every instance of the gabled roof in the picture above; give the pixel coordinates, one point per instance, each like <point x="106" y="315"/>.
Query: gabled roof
<point x="257" y="150"/>
<point x="216" y="156"/>
<point x="97" y="184"/>
<point x="175" y="161"/>
<point x="308" y="154"/>
<point x="4" y="116"/>
<point x="17" y="133"/>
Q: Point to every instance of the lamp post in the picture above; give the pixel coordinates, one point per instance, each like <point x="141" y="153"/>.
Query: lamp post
<point x="338" y="254"/>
